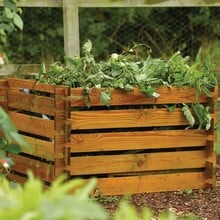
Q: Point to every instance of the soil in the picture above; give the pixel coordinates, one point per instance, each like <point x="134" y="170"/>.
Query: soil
<point x="203" y="203"/>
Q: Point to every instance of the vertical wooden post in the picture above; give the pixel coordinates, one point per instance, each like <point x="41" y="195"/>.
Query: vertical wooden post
<point x="4" y="94"/>
<point x="61" y="116"/>
<point x="71" y="28"/>
<point x="210" y="166"/>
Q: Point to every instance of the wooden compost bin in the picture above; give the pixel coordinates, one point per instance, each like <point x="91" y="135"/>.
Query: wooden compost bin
<point x="136" y="145"/>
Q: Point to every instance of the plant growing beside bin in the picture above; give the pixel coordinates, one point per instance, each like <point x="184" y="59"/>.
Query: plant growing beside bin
<point x="137" y="125"/>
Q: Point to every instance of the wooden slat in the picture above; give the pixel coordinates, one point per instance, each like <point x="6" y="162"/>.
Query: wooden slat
<point x="44" y="171"/>
<point x="3" y="83"/>
<point x="33" y="125"/>
<point x="16" y="178"/>
<point x="30" y="102"/>
<point x="144" y="3"/>
<point x="124" y="163"/>
<point x="3" y="93"/>
<point x="151" y="183"/>
<point x="126" y="118"/>
<point x="137" y="140"/>
<point x="30" y="84"/>
<point x="42" y="149"/>
<point x="117" y="3"/>
<point x="120" y="97"/>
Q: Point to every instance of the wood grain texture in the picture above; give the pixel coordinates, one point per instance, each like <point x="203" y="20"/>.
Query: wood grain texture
<point x="151" y="183"/>
<point x="30" y="102"/>
<point x="101" y="142"/>
<point x="45" y="171"/>
<point x="146" y="3"/>
<point x="127" y="118"/>
<point x="125" y="163"/>
<point x="3" y="84"/>
<point x="30" y="84"/>
<point x="116" y="3"/>
<point x="41" y="148"/>
<point x="33" y="125"/>
<point x="120" y="97"/>
<point x="16" y="178"/>
<point x="4" y="94"/>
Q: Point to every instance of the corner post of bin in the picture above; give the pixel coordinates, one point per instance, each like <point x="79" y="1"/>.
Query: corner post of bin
<point x="210" y="166"/>
<point x="4" y="89"/>
<point x="61" y="127"/>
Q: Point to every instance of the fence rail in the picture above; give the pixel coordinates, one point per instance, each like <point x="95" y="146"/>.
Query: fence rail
<point x="118" y="3"/>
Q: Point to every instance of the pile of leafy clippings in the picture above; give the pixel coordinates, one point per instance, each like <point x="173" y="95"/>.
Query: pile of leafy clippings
<point x="126" y="71"/>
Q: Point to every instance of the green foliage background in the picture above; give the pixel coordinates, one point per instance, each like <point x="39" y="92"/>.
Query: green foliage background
<point x="164" y="30"/>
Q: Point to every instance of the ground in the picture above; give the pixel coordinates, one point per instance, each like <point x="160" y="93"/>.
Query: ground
<point x="204" y="203"/>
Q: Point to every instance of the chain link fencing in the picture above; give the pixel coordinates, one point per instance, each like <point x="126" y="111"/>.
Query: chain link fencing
<point x="163" y="31"/>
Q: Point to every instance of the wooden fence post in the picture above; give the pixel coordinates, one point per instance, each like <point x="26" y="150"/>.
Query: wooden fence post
<point x="71" y="28"/>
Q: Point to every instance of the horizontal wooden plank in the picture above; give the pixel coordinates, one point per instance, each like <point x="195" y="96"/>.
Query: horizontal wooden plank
<point x="137" y="140"/>
<point x="151" y="183"/>
<point x="127" y="118"/>
<point x="117" y="3"/>
<point x="3" y="83"/>
<point x="3" y="98"/>
<point x="125" y="163"/>
<point x="135" y="97"/>
<point x="42" y="149"/>
<point x="30" y="84"/>
<point x="33" y="125"/>
<point x="16" y="178"/>
<point x="144" y="3"/>
<point x="38" y="3"/>
<point x="3" y="93"/>
<point x="30" y="102"/>
<point x="42" y="170"/>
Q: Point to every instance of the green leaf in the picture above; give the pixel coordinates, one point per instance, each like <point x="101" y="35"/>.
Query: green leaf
<point x="87" y="47"/>
<point x="206" y="91"/>
<point x="203" y="116"/>
<point x="19" y="140"/>
<point x="199" y="111"/>
<point x="2" y="153"/>
<point x="105" y="98"/>
<point x="10" y="132"/>
<point x="167" y="216"/>
<point x="18" y="21"/>
<point x="8" y="13"/>
<point x="147" y="213"/>
<point x="126" y="211"/>
<point x="10" y="4"/>
<point x="208" y="118"/>
<point x="13" y="148"/>
<point x="170" y="108"/>
<point x="149" y="91"/>
<point x="188" y="115"/>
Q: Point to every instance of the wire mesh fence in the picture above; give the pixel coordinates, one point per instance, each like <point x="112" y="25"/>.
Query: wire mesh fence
<point x="163" y="31"/>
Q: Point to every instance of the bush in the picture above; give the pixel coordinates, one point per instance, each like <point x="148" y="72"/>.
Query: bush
<point x="9" y="142"/>
<point x="64" y="200"/>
